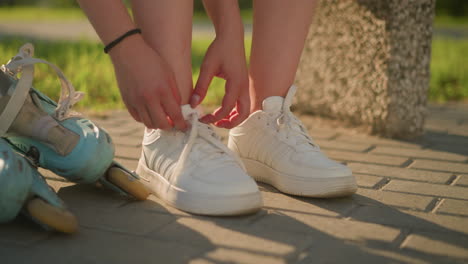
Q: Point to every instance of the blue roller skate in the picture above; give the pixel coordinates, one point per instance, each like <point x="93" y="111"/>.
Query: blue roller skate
<point x="55" y="137"/>
<point x="22" y="188"/>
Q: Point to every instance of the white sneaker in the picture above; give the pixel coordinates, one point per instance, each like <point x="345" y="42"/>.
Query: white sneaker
<point x="195" y="172"/>
<point x="276" y="149"/>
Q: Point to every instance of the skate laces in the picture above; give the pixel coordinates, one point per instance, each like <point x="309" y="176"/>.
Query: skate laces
<point x="201" y="131"/>
<point x="292" y="126"/>
<point x="23" y="60"/>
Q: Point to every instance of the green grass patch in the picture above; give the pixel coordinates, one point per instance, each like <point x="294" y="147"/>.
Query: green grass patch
<point x="47" y="14"/>
<point x="445" y="21"/>
<point x="37" y="14"/>
<point x="91" y="71"/>
<point x="449" y="70"/>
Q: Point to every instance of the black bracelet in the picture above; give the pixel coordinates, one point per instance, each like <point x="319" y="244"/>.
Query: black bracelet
<point x="109" y="46"/>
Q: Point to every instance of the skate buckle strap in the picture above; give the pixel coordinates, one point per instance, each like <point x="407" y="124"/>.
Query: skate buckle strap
<point x="24" y="62"/>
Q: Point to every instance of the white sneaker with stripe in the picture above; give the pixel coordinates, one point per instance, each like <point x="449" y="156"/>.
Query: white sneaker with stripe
<point x="276" y="149"/>
<point x="195" y="172"/>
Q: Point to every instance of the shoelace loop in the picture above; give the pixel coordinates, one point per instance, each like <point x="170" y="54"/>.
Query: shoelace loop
<point x="199" y="129"/>
<point x="286" y="121"/>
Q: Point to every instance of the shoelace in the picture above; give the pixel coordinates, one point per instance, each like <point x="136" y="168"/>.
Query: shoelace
<point x="288" y="122"/>
<point x="23" y="62"/>
<point x="204" y="131"/>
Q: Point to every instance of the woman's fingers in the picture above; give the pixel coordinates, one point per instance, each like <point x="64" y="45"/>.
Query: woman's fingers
<point x="207" y="73"/>
<point x="173" y="110"/>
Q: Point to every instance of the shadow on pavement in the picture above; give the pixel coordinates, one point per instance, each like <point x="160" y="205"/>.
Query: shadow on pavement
<point x="114" y="229"/>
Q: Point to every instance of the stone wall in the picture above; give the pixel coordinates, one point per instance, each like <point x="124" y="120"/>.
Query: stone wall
<point x="367" y="62"/>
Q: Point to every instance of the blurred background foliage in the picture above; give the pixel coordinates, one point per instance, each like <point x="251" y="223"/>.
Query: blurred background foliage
<point x="456" y="8"/>
<point x="90" y="69"/>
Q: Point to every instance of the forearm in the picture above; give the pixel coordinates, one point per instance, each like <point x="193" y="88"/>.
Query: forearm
<point x="225" y="15"/>
<point x="109" y="18"/>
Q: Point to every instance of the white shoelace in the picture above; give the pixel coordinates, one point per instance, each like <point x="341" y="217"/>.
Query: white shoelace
<point x="206" y="132"/>
<point x="286" y="121"/>
<point x="23" y="62"/>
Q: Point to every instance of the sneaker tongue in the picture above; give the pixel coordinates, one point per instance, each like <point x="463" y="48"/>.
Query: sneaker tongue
<point x="273" y="104"/>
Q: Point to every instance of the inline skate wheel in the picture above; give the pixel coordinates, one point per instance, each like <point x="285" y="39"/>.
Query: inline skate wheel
<point x="128" y="183"/>
<point x="53" y="217"/>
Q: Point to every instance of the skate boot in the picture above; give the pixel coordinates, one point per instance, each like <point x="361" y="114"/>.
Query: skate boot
<point x="22" y="188"/>
<point x="55" y="137"/>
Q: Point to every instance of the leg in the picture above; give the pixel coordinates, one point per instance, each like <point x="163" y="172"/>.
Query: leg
<point x="167" y="28"/>
<point x="279" y="31"/>
<point x="272" y="142"/>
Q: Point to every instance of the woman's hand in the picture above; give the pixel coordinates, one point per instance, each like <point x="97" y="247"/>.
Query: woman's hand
<point x="225" y="58"/>
<point x="147" y="85"/>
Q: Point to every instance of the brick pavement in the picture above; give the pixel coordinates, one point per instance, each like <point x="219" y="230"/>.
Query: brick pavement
<point x="411" y="207"/>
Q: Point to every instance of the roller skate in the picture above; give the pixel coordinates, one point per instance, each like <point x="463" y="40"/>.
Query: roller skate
<point x="22" y="188"/>
<point x="55" y="137"/>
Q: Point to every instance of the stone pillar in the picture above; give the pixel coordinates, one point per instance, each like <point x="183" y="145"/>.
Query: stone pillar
<point x="367" y="62"/>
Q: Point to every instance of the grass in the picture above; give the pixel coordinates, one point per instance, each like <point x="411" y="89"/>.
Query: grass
<point x="35" y="14"/>
<point x="445" y="21"/>
<point x="449" y="70"/>
<point x="28" y="14"/>
<point x="38" y="14"/>
<point x="90" y="70"/>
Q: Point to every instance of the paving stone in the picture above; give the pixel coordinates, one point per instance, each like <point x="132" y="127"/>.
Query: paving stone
<point x="130" y="220"/>
<point x="453" y="207"/>
<point x="96" y="246"/>
<point x="259" y="242"/>
<point x="417" y="221"/>
<point x="366" y="181"/>
<point x="125" y="129"/>
<point x="21" y="232"/>
<point x="234" y="255"/>
<point x="447" y="247"/>
<point x="460" y="129"/>
<point x="80" y="196"/>
<point x="462" y="181"/>
<point x="325" y="228"/>
<point x="364" y="158"/>
<point x="418" y="153"/>
<point x="342" y="145"/>
<point x="399" y="200"/>
<point x="355" y="252"/>
<point x="453" y="148"/>
<point x="126" y="141"/>
<point x="443" y="166"/>
<point x="430" y="189"/>
<point x="57" y="185"/>
<point x="50" y="175"/>
<point x="321" y="133"/>
<point x="21" y="255"/>
<point x="436" y="138"/>
<point x="127" y="152"/>
<point x="285" y="204"/>
<point x="156" y="205"/>
<point x="359" y="139"/>
<point x="400" y="173"/>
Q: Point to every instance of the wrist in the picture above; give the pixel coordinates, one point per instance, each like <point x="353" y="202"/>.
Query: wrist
<point x="126" y="47"/>
<point x="230" y="31"/>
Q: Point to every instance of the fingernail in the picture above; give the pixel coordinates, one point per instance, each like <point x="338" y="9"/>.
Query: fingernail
<point x="194" y="100"/>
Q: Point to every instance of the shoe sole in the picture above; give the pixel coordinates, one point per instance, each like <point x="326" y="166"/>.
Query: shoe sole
<point x="315" y="187"/>
<point x="197" y="203"/>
